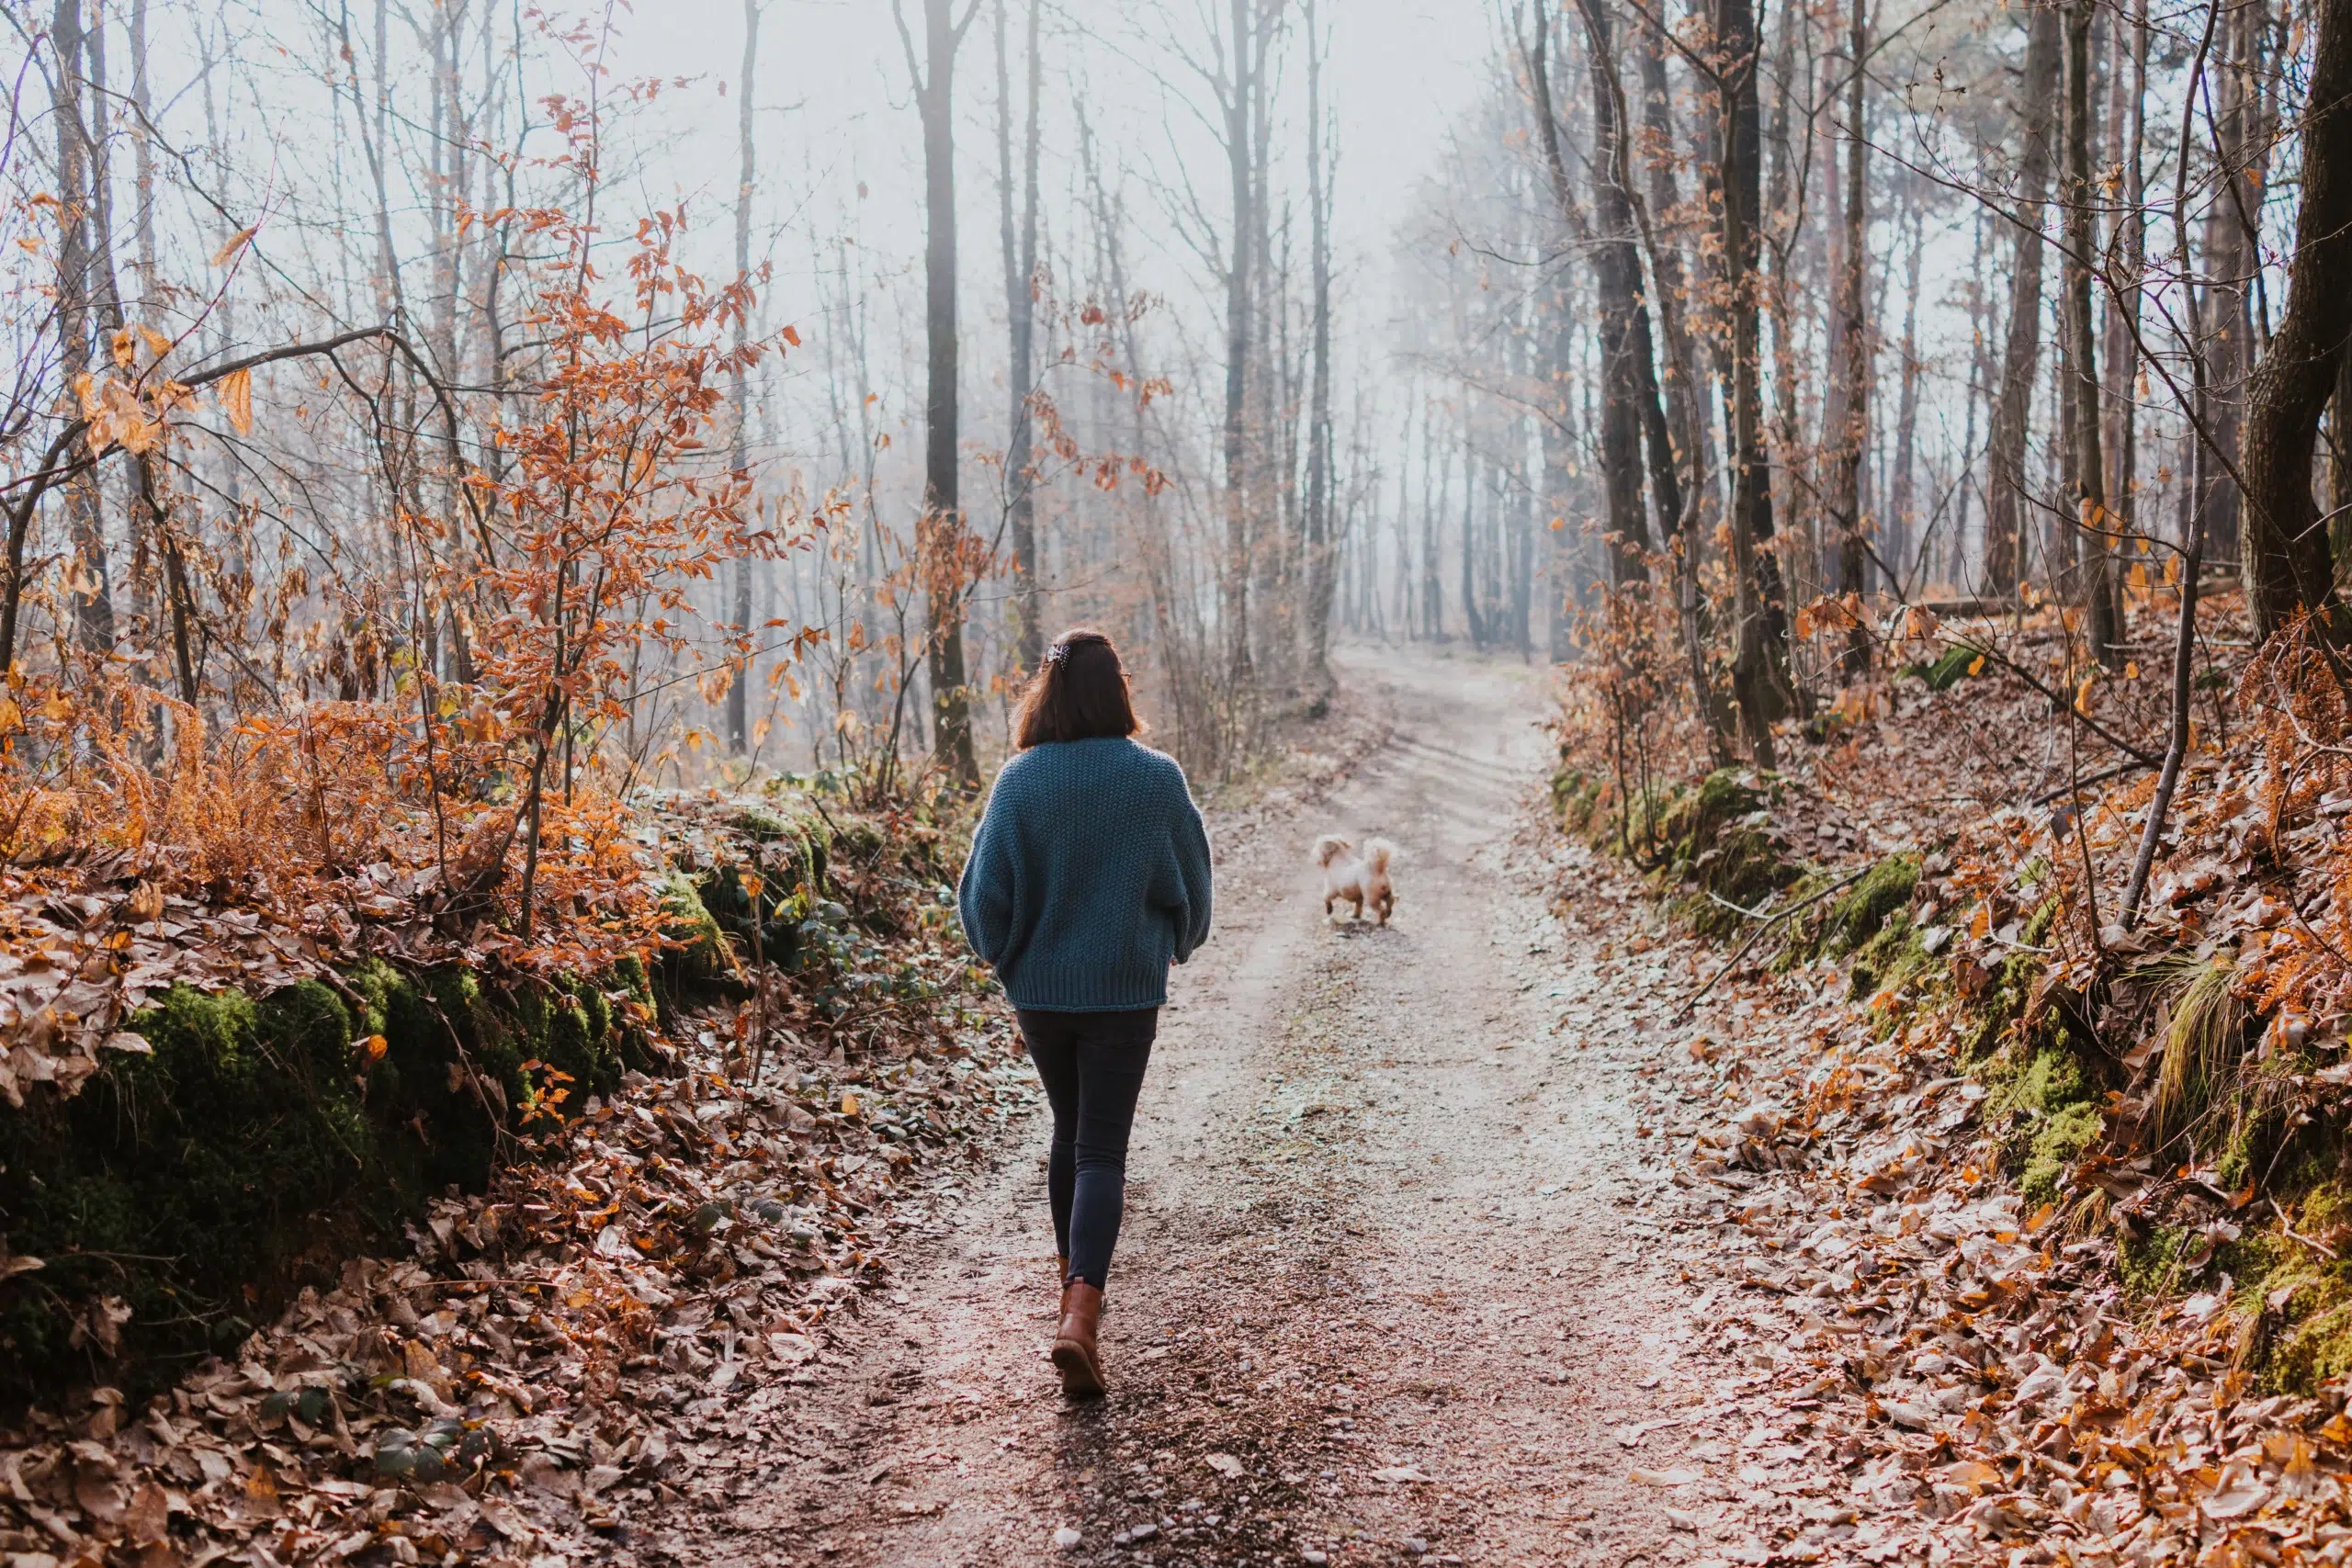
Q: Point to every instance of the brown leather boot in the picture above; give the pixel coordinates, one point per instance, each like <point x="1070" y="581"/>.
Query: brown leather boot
<point x="1076" y="1354"/>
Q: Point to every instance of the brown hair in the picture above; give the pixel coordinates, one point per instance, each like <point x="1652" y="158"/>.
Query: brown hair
<point x="1080" y="692"/>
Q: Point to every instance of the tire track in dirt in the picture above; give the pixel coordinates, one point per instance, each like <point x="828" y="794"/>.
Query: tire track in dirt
<point x="1383" y="1294"/>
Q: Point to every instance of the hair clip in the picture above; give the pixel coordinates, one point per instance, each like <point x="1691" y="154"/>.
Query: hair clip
<point x="1057" y="653"/>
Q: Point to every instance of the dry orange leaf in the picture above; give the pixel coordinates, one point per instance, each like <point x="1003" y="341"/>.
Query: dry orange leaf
<point x="235" y="392"/>
<point x="237" y="242"/>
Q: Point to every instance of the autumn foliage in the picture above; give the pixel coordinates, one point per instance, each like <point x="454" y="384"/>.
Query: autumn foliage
<point x="477" y="805"/>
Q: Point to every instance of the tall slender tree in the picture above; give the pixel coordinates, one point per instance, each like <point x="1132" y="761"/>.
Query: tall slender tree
<point x="1846" y="421"/>
<point x="2088" y="480"/>
<point x="1321" y="545"/>
<point x="944" y="539"/>
<point x="2005" y="533"/>
<point x="739" y="695"/>
<point x="1238" y="87"/>
<point x="1020" y="239"/>
<point x="1760" y="685"/>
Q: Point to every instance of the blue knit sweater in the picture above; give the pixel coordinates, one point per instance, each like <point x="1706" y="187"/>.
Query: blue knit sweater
<point x="1088" y="876"/>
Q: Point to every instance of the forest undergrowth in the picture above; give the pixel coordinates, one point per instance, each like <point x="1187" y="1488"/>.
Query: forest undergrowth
<point x="349" y="1207"/>
<point x="2041" y="1227"/>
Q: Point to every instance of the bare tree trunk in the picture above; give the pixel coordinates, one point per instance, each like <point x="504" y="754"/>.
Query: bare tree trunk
<point x="2089" y="477"/>
<point x="1634" y="355"/>
<point x="1239" y="91"/>
<point x="1760" y="657"/>
<point x="1903" y="506"/>
<point x="1845" y="424"/>
<point x="2022" y="358"/>
<point x="943" y="543"/>
<point x="1559" y="454"/>
<point x="89" y="595"/>
<point x="2234" y="261"/>
<point x="1432" y="505"/>
<point x="739" y="696"/>
<point x="1472" y="616"/>
<point x="2192" y="533"/>
<point x="1786" y="221"/>
<point x="2128" y="127"/>
<point x="1685" y="378"/>
<point x="2289" y="562"/>
<point x="1610" y="249"/>
<point x="1319" y="542"/>
<point x="1980" y="380"/>
<point x="143" y="165"/>
<point x="1020" y="314"/>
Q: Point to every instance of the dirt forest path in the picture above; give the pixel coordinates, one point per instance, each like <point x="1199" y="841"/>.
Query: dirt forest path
<point x="1386" y="1292"/>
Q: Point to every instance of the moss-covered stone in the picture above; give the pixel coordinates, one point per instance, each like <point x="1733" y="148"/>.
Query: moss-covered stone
<point x="179" y="1179"/>
<point x="699" y="955"/>
<point x="1711" y="841"/>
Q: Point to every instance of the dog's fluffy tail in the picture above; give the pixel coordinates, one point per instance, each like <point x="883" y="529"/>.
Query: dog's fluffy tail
<point x="1378" y="853"/>
<point x="1329" y="847"/>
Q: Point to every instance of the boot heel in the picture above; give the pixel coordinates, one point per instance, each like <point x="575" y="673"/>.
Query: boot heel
<point x="1077" y="1344"/>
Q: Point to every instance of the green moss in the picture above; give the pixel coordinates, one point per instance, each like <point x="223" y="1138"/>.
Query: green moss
<point x="2150" y="1263"/>
<point x="2052" y="1081"/>
<point x="240" y="1146"/>
<point x="2061" y="1141"/>
<point x="1712" y="843"/>
<point x="1575" y="799"/>
<point x="2043" y="1106"/>
<point x="261" y="1140"/>
<point x="701" y="954"/>
<point x="767" y="926"/>
<point x="1855" y="917"/>
<point x="1894" y="961"/>
<point x="2316" y="1351"/>
<point x="1692" y="820"/>
<point x="2045" y="914"/>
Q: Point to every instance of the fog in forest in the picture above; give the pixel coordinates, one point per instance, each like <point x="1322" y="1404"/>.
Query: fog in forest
<point x="1236" y="329"/>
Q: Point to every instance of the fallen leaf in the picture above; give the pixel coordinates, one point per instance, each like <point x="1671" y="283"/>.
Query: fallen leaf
<point x="1669" y="1477"/>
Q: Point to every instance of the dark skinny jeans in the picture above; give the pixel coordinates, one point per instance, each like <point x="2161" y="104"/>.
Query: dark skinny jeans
<point x="1092" y="1067"/>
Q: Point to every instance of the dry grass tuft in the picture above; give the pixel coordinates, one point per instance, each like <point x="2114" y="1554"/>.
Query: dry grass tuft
<point x="2199" y="1046"/>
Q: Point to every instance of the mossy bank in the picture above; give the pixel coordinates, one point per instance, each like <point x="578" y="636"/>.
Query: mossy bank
<point x="257" y="1141"/>
<point x="191" y="1189"/>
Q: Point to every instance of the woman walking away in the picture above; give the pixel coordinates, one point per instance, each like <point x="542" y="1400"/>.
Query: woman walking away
<point x="1088" y="876"/>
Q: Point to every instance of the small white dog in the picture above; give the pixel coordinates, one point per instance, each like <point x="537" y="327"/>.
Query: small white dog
<point x="1357" y="877"/>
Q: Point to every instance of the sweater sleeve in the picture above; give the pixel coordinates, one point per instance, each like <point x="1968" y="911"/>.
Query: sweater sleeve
<point x="1191" y="845"/>
<point x="984" y="898"/>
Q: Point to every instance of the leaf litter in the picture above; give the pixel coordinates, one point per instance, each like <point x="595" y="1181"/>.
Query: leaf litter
<point x="1932" y="1368"/>
<point x="589" y="1339"/>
